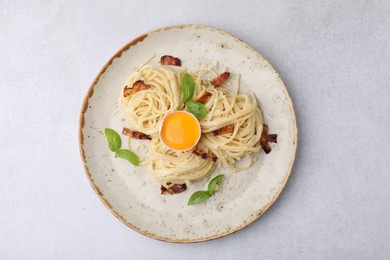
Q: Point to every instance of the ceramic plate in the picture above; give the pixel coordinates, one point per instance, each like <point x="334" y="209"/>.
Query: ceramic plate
<point x="132" y="195"/>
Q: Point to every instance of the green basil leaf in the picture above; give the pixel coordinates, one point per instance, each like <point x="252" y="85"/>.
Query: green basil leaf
<point x="113" y="138"/>
<point x="188" y="87"/>
<point x="213" y="183"/>
<point x="196" y="108"/>
<point x="198" y="196"/>
<point x="130" y="156"/>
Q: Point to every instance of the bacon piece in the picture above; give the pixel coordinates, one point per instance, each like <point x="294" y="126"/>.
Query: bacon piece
<point x="175" y="189"/>
<point x="204" y="98"/>
<point x="137" y="86"/>
<point x="135" y="134"/>
<point x="227" y="129"/>
<point x="170" y="60"/>
<point x="218" y="81"/>
<point x="266" y="138"/>
<point x="206" y="156"/>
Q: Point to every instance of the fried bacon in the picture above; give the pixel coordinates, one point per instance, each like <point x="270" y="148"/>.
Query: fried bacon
<point x="135" y="134"/>
<point x="175" y="189"/>
<point x="227" y="129"/>
<point x="206" y="156"/>
<point x="218" y="81"/>
<point x="266" y="138"/>
<point x="204" y="98"/>
<point x="137" y="86"/>
<point x="170" y="60"/>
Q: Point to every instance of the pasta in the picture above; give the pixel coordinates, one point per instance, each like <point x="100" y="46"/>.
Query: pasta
<point x="170" y="166"/>
<point x="146" y="109"/>
<point x="224" y="108"/>
<point x="230" y="131"/>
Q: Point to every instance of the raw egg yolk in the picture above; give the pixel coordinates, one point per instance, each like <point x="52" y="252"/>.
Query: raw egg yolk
<point x="180" y="131"/>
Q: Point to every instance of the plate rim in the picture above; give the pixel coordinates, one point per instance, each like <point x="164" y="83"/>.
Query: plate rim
<point x="84" y="108"/>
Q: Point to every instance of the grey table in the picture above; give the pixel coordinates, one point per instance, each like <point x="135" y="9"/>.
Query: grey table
<point x="334" y="57"/>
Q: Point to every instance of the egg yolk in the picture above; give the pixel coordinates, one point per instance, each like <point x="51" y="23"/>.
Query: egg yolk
<point x="180" y="131"/>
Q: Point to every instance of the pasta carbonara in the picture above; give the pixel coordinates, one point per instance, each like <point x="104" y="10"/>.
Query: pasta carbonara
<point x="231" y="129"/>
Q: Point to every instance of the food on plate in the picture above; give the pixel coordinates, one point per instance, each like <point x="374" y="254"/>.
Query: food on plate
<point x="171" y="167"/>
<point x="266" y="138"/>
<point x="218" y="81"/>
<point x="174" y="189"/>
<point x="170" y="60"/>
<point x="115" y="143"/>
<point x="180" y="131"/>
<point x="201" y="195"/>
<point x="135" y="134"/>
<point x="194" y="123"/>
<point x="145" y="109"/>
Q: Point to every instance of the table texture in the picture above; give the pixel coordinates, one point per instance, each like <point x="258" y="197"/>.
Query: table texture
<point x="334" y="57"/>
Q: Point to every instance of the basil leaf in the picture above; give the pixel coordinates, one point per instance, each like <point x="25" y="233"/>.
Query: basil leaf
<point x="198" y="196"/>
<point x="213" y="184"/>
<point x="113" y="138"/>
<point x="188" y="87"/>
<point x="196" y="108"/>
<point x="130" y="156"/>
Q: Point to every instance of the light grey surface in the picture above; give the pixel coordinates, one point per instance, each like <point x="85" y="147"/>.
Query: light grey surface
<point x="333" y="56"/>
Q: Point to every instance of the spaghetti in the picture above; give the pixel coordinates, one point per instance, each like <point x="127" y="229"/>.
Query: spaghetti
<point x="146" y="109"/>
<point x="172" y="167"/>
<point x="161" y="93"/>
<point x="225" y="108"/>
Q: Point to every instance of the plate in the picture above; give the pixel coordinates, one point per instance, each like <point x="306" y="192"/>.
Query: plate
<point x="132" y="195"/>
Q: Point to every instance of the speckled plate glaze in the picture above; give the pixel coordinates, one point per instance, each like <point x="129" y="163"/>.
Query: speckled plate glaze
<point x="132" y="195"/>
